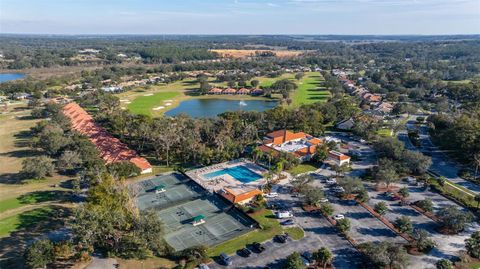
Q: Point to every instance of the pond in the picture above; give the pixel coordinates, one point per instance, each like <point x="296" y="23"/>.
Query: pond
<point x="4" y="77"/>
<point x="205" y="108"/>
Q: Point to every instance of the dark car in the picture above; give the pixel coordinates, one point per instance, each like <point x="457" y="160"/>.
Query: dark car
<point x="280" y="238"/>
<point x="308" y="256"/>
<point x="226" y="260"/>
<point x="245" y="252"/>
<point x="287" y="222"/>
<point x="258" y="247"/>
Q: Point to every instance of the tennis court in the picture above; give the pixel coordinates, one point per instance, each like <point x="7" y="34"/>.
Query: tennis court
<point x="181" y="202"/>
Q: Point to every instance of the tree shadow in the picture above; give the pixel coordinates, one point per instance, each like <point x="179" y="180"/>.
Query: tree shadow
<point x="44" y="196"/>
<point x="377" y="232"/>
<point x="32" y="225"/>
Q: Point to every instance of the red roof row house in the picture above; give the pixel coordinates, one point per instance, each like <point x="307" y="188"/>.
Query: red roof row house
<point x="111" y="149"/>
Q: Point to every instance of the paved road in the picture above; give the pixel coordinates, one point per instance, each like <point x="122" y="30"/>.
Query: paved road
<point x="441" y="164"/>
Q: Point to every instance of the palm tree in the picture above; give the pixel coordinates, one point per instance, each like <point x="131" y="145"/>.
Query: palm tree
<point x="323" y="256"/>
<point x="257" y="154"/>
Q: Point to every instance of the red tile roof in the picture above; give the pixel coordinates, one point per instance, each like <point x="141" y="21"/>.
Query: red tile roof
<point x="237" y="198"/>
<point x="282" y="136"/>
<point x="111" y="149"/>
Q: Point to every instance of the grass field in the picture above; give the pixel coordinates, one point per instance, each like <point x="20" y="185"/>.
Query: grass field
<point x="146" y="104"/>
<point x="31" y="198"/>
<point x="303" y="168"/>
<point x="385" y="132"/>
<point x="309" y="90"/>
<point x="24" y="220"/>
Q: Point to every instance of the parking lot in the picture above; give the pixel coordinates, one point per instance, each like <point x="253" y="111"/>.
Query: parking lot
<point x="318" y="232"/>
<point x="447" y="245"/>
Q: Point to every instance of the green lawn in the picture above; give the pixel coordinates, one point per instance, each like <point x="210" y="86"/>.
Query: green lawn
<point x="30" y="198"/>
<point x="270" y="228"/>
<point x="385" y="132"/>
<point x="145" y="104"/>
<point x="303" y="168"/>
<point x="309" y="90"/>
<point x="475" y="265"/>
<point x="24" y="220"/>
<point x="296" y="233"/>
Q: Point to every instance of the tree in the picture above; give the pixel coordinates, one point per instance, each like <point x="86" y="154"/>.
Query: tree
<point x="425" y="204"/>
<point x="477" y="199"/>
<point x="441" y="181"/>
<point x="294" y="261"/>
<point x="123" y="169"/>
<point x="299" y="75"/>
<point x="343" y="225"/>
<point x="444" y="264"/>
<point x="254" y="83"/>
<point x="362" y="196"/>
<point x="110" y="221"/>
<point x="69" y="160"/>
<point x="454" y="220"/>
<point x="39" y="254"/>
<point x="387" y="175"/>
<point x="404" y="192"/>
<point x="385" y="254"/>
<point x="351" y="185"/>
<point x="476" y="161"/>
<point x="404" y="224"/>
<point x="423" y="242"/>
<point x="195" y="254"/>
<point x="37" y="167"/>
<point x="323" y="256"/>
<point x="312" y="195"/>
<point x="381" y="208"/>
<point x="472" y="245"/>
<point x="327" y="209"/>
<point x="416" y="161"/>
<point x="321" y="153"/>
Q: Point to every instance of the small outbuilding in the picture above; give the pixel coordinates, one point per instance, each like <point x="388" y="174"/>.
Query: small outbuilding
<point x="198" y="220"/>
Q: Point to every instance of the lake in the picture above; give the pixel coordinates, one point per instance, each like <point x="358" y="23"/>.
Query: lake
<point x="205" y="108"/>
<point x="4" y="77"/>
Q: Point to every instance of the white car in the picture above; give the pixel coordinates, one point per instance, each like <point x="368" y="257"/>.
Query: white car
<point x="331" y="181"/>
<point x="271" y="195"/>
<point x="338" y="217"/>
<point x="338" y="189"/>
<point x="324" y="200"/>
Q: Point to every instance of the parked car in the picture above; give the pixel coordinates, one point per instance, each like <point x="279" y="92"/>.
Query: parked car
<point x="280" y="238"/>
<point x="226" y="260"/>
<point x="323" y="200"/>
<point x="271" y="195"/>
<point x="258" y="247"/>
<point x="331" y="181"/>
<point x="245" y="252"/>
<point x="307" y="255"/>
<point x="338" y="217"/>
<point x="283" y="214"/>
<point x="287" y="222"/>
<point x="203" y="266"/>
<point x="338" y="189"/>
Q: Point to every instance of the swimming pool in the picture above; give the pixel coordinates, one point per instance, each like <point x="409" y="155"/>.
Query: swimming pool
<point x="240" y="173"/>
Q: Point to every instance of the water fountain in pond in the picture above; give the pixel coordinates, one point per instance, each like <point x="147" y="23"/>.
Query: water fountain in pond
<point x="242" y="103"/>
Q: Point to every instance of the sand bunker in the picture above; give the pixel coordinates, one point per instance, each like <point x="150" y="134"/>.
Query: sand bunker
<point x="124" y="100"/>
<point x="158" y="107"/>
<point x="148" y="94"/>
<point x="168" y="101"/>
<point x="168" y="104"/>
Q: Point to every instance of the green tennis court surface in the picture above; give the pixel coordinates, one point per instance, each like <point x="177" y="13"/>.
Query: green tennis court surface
<point x="181" y="202"/>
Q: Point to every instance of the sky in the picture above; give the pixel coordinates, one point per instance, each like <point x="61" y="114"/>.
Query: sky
<point x="341" y="17"/>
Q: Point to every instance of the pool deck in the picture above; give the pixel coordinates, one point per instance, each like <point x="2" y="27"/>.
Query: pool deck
<point x="223" y="181"/>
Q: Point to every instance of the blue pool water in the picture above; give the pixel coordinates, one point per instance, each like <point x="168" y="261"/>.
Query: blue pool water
<point x="240" y="173"/>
